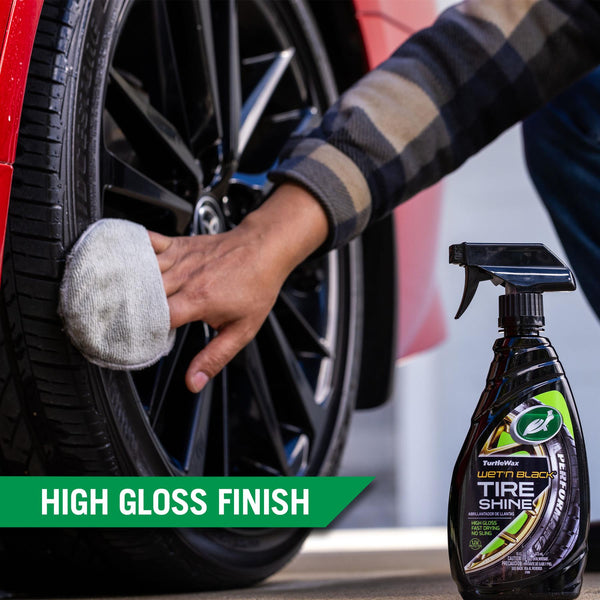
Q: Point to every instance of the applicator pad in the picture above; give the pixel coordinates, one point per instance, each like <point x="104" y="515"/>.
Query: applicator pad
<point x="112" y="300"/>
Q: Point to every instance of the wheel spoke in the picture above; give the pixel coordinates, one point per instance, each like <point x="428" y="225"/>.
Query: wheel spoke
<point x="298" y="385"/>
<point x="224" y="378"/>
<point x="306" y="339"/>
<point x="171" y="91"/>
<point x="253" y="182"/>
<point x="206" y="44"/>
<point x="309" y="120"/>
<point x="255" y="105"/>
<point x="257" y="186"/>
<point x="130" y="183"/>
<point x="164" y="375"/>
<point x="148" y="132"/>
<point x="260" y="387"/>
<point x="229" y="83"/>
<point x="195" y="454"/>
<point x="249" y="191"/>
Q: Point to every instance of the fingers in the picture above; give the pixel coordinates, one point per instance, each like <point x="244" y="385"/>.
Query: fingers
<point x="168" y="252"/>
<point x="159" y="242"/>
<point x="165" y="249"/>
<point x="221" y="349"/>
<point x="181" y="309"/>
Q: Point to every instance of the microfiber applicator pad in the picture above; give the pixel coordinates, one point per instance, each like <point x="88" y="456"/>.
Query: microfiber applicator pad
<point x="112" y="300"/>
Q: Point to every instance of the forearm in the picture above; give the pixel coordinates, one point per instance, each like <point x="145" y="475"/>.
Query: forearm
<point x="444" y="94"/>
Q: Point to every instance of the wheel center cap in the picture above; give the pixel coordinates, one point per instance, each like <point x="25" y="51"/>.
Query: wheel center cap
<point x="208" y="217"/>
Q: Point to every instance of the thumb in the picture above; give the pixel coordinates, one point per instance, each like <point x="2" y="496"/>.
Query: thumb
<point x="217" y="353"/>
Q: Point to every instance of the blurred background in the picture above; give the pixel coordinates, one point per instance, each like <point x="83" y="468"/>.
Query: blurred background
<point x="490" y="199"/>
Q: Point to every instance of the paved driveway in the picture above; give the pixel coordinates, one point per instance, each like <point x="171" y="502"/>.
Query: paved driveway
<point x="365" y="565"/>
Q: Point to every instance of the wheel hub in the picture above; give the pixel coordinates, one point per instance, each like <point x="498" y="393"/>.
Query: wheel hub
<point x="208" y="217"/>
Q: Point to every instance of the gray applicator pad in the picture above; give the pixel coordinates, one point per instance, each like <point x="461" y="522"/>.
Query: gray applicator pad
<point x="112" y="300"/>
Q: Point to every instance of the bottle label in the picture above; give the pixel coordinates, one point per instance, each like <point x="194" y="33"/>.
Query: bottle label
<point x="521" y="500"/>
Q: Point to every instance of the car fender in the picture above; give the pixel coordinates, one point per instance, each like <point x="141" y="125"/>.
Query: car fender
<point x="18" y="20"/>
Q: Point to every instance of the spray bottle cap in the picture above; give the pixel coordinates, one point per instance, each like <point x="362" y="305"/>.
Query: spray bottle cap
<point x="525" y="270"/>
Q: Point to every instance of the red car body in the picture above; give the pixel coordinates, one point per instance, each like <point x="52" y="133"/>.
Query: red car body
<point x="19" y="19"/>
<point x="384" y="24"/>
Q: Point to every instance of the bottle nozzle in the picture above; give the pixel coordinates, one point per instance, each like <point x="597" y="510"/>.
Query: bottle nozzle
<point x="529" y="268"/>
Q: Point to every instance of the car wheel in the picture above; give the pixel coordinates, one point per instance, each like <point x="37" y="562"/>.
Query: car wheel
<point x="168" y="114"/>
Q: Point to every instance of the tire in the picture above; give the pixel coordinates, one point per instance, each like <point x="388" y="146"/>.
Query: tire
<point x="103" y="134"/>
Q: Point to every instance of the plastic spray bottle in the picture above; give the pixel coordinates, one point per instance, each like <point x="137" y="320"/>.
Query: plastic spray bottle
<point x="518" y="515"/>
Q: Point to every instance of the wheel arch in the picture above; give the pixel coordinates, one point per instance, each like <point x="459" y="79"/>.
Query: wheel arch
<point x="338" y="26"/>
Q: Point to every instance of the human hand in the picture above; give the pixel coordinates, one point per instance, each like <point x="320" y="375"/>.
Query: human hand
<point x="231" y="280"/>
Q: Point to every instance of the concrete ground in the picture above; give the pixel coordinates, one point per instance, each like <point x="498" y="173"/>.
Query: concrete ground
<point x="376" y="564"/>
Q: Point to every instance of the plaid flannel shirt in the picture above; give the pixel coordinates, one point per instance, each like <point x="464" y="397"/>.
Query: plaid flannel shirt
<point x="444" y="94"/>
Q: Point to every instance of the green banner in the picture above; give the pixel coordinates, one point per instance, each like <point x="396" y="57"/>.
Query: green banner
<point x="175" y="501"/>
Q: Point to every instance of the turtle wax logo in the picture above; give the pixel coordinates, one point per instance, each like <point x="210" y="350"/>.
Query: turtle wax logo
<point x="536" y="425"/>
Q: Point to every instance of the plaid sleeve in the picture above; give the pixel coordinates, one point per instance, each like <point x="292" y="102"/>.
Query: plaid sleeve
<point x="444" y="94"/>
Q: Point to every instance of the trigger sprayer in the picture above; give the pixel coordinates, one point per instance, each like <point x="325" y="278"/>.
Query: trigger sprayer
<point x="518" y="514"/>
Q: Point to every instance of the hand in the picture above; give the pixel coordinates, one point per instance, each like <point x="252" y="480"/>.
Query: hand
<point x="231" y="280"/>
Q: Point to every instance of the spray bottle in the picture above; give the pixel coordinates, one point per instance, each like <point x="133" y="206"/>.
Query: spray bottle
<point x="518" y="515"/>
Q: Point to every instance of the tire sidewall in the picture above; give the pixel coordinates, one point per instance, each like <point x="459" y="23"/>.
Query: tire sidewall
<point x="92" y="53"/>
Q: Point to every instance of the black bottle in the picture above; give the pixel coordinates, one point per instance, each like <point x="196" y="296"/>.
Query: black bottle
<point x="518" y="514"/>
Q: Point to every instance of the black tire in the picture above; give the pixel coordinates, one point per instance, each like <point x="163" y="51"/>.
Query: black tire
<point x="60" y="415"/>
